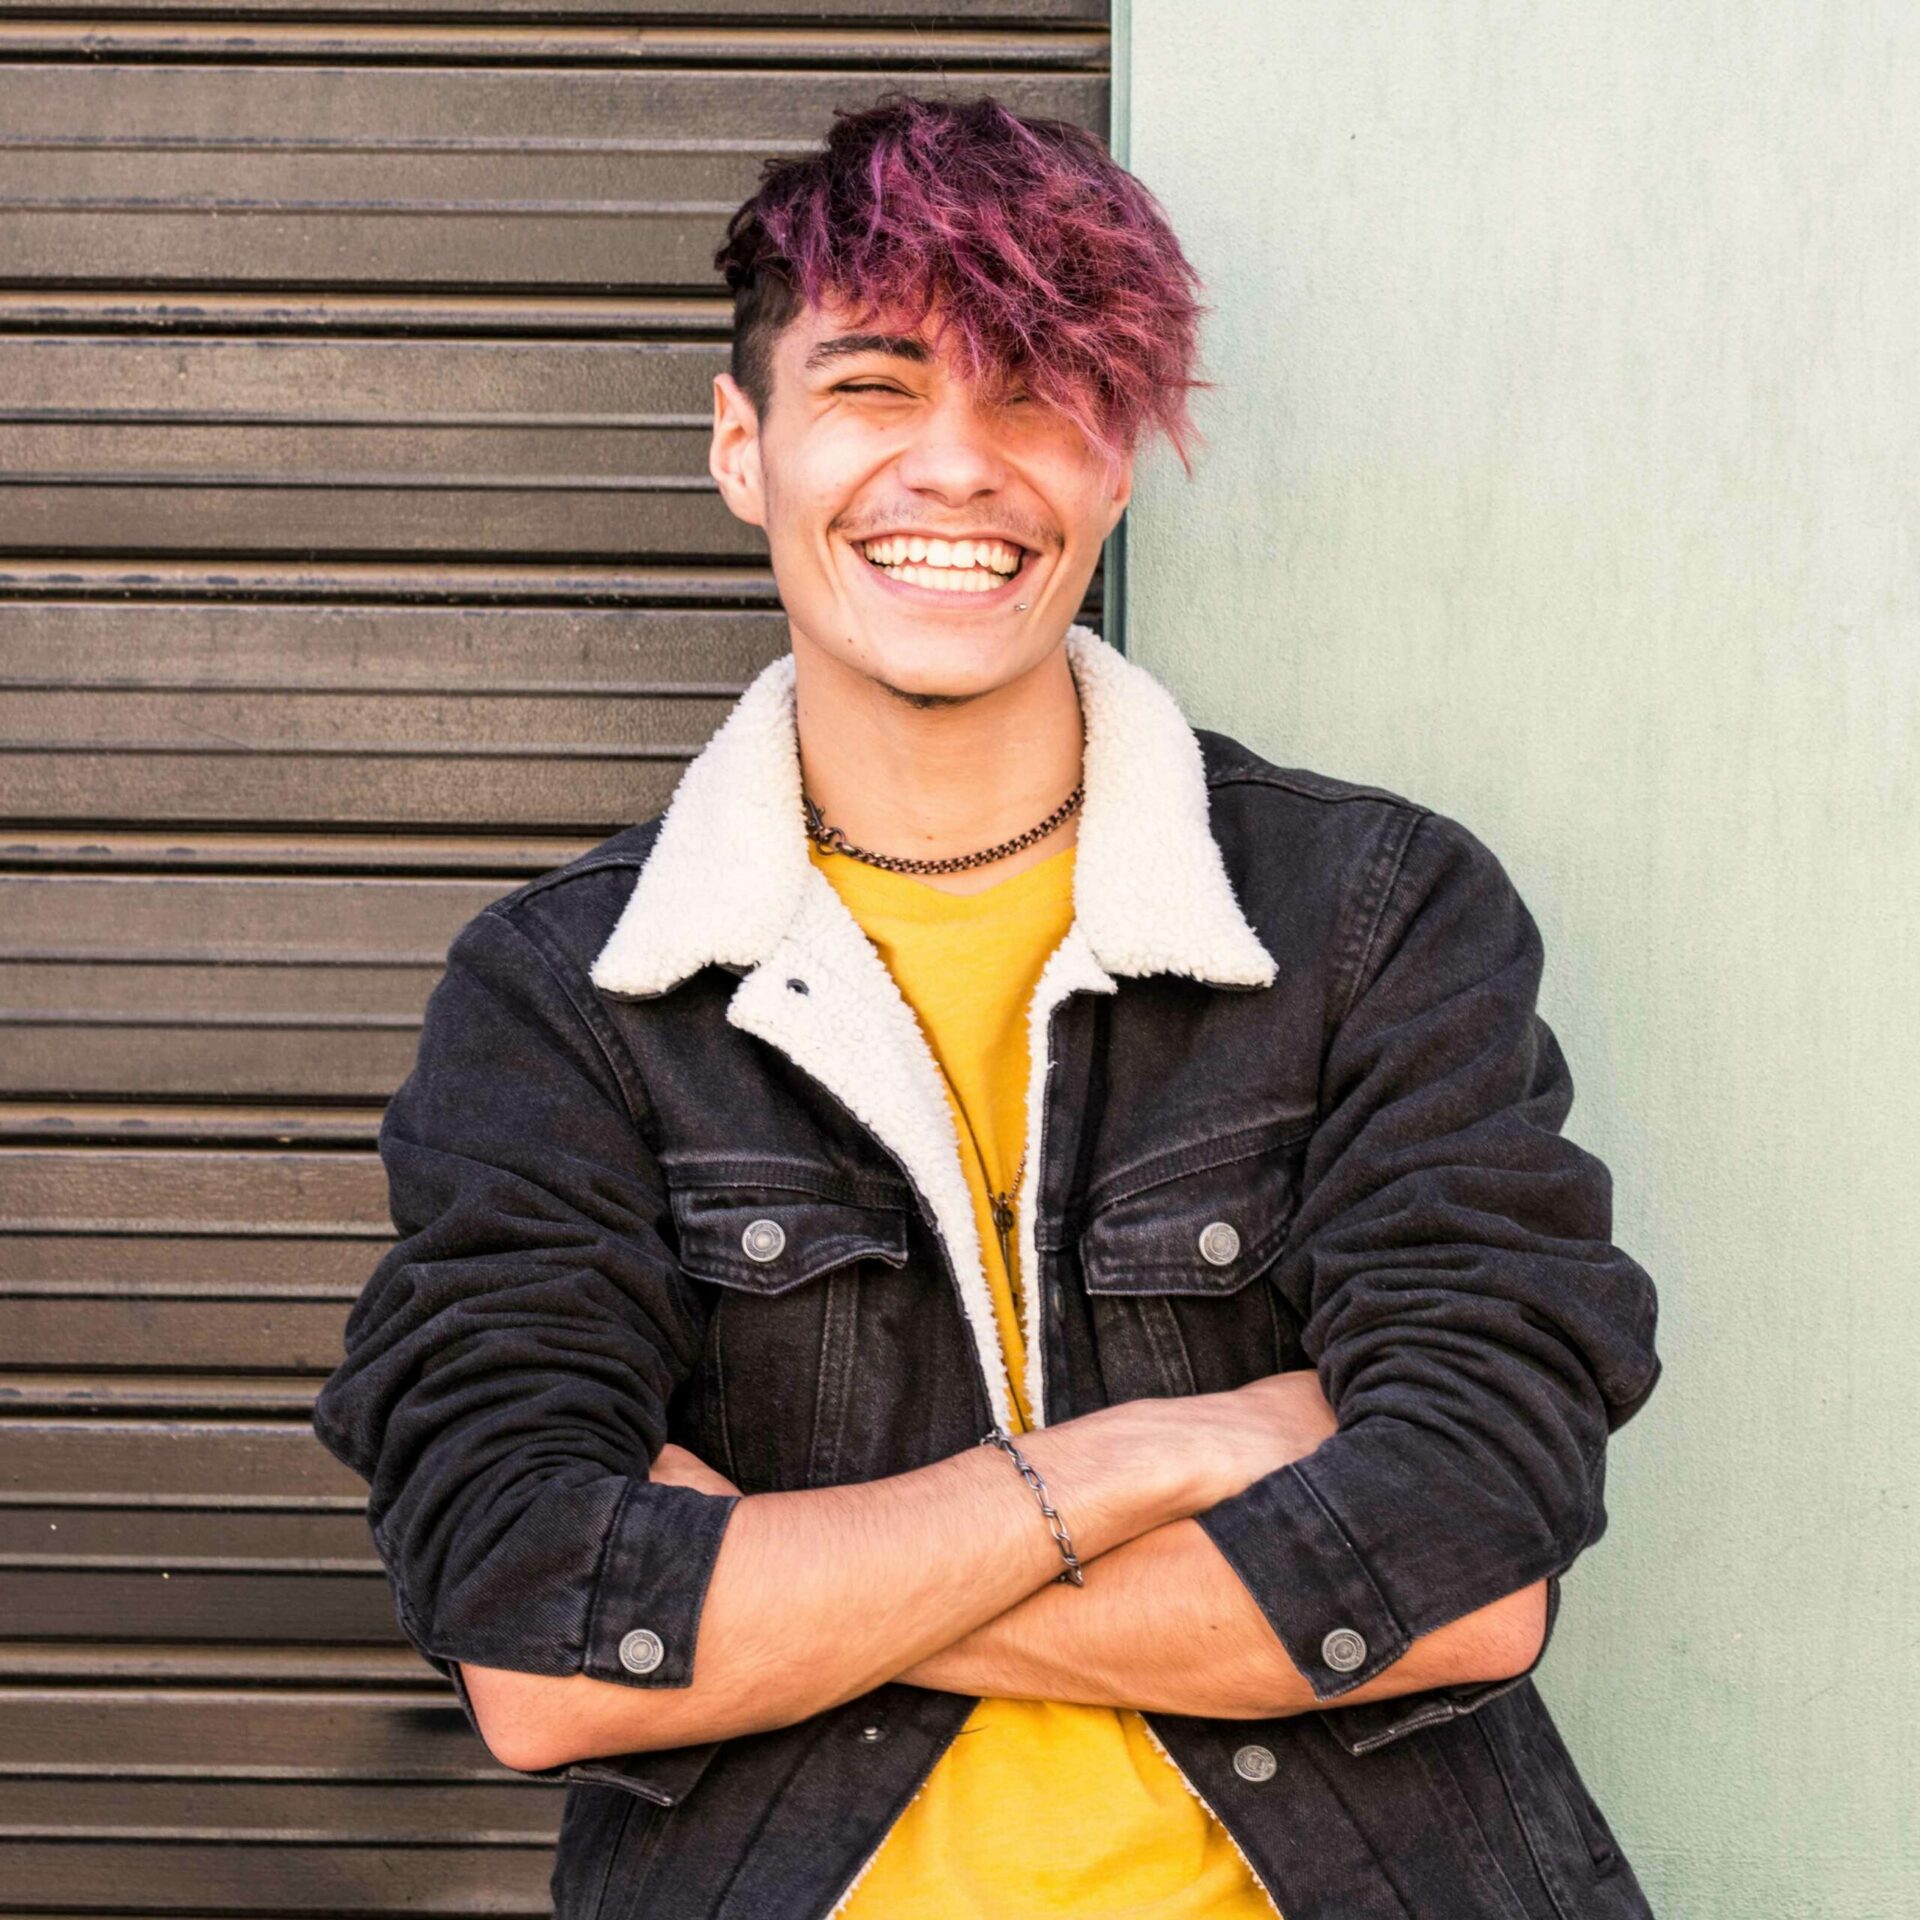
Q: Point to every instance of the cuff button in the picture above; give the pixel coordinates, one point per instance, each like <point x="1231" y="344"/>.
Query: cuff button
<point x="1343" y="1650"/>
<point x="641" y="1651"/>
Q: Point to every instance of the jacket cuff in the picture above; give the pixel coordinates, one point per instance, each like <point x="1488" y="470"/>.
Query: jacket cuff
<point x="1378" y="1723"/>
<point x="652" y="1585"/>
<point x="649" y="1593"/>
<point x="664" y="1775"/>
<point x="648" y="1599"/>
<point x="1309" y="1580"/>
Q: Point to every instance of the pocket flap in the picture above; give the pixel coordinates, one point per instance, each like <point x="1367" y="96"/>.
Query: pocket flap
<point x="766" y="1239"/>
<point x="1204" y="1228"/>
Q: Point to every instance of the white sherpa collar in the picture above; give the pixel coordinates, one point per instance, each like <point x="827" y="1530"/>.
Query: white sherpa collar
<point x="729" y="869"/>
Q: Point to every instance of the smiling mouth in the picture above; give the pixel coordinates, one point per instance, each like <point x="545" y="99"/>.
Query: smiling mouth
<point x="957" y="567"/>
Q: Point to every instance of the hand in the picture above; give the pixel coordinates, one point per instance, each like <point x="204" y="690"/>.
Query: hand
<point x="677" y="1467"/>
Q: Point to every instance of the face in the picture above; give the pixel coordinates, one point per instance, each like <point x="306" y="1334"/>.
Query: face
<point x="874" y="459"/>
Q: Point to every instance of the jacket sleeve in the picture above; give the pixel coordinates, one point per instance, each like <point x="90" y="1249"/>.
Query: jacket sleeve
<point x="1475" y="1331"/>
<point x="509" y="1363"/>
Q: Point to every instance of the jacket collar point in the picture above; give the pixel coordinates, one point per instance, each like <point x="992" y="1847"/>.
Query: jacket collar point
<point x="729" y="869"/>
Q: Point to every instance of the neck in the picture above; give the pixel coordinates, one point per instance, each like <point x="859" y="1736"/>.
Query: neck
<point x="935" y="782"/>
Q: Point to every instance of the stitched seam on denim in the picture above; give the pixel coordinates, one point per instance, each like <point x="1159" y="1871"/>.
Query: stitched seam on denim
<point x="600" y="1573"/>
<point x="750" y="1845"/>
<point x="599" y="1901"/>
<point x="1426" y="1717"/>
<point x="1520" y="1819"/>
<point x="1472" y="1698"/>
<point x="410" y="1616"/>
<point x="1200" y="1156"/>
<point x="815" y="1448"/>
<point x="637" y="1868"/>
<point x="1587" y="1820"/>
<point x="830" y="1379"/>
<point x="1277" y="781"/>
<point x="626" y="1075"/>
<point x="710" y="1251"/>
<point x="601" y="1774"/>
<point x="1358" y="1678"/>
<point x="1601" y="1861"/>
<point x="1050" y="1097"/>
<point x="1167" y="1343"/>
<point x="588" y="865"/>
<point x="706" y="1581"/>
<point x="720" y="1406"/>
<point x="1474" y="1607"/>
<point x="745" y="1278"/>
<point x="1475" y="1837"/>
<point x="1381" y="912"/>
<point x="1458" y="1700"/>
<point x="690" y="1172"/>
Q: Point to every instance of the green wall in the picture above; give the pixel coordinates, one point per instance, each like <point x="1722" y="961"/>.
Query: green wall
<point x="1561" y="474"/>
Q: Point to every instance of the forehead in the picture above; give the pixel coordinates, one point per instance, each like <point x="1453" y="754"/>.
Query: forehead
<point x="820" y="338"/>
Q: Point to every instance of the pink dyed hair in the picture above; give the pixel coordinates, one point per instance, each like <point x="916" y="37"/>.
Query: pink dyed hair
<point x="1046" y="260"/>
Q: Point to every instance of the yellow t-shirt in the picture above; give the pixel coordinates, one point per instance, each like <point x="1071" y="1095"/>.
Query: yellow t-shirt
<point x="1038" y="1806"/>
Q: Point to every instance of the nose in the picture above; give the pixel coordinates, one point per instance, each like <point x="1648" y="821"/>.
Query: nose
<point x="955" y="454"/>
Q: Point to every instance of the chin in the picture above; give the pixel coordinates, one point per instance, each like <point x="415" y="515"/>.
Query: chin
<point x="944" y="664"/>
<point x="913" y="676"/>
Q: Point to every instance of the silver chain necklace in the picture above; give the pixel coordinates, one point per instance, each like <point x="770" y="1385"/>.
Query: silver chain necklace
<point x="835" y="841"/>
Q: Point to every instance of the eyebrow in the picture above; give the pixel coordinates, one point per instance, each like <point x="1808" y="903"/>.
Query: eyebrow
<point x="841" y="346"/>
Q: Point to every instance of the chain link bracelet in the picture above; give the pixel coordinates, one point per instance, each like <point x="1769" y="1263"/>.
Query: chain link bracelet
<point x="999" y="1437"/>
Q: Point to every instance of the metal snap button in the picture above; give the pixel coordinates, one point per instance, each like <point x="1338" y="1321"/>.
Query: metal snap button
<point x="642" y="1650"/>
<point x="873" y="1733"/>
<point x="764" y="1239"/>
<point x="1343" y="1650"/>
<point x="1219" y="1242"/>
<point x="1255" y="1763"/>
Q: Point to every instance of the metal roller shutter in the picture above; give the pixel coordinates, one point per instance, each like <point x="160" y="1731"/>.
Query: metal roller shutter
<point x="357" y="560"/>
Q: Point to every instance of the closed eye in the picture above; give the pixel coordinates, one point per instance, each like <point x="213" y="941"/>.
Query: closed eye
<point x="1012" y="399"/>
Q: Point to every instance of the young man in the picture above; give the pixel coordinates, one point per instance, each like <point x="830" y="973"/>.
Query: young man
<point x="993" y="1316"/>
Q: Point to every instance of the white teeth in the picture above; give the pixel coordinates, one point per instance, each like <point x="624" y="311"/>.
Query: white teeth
<point x="946" y="579"/>
<point x="997" y="558"/>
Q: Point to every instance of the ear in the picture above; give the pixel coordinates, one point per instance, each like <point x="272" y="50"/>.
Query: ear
<point x="734" y="457"/>
<point x="1122" y="492"/>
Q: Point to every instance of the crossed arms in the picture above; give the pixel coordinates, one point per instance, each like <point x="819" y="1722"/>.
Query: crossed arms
<point x="818" y="1596"/>
<point x="509" y="1367"/>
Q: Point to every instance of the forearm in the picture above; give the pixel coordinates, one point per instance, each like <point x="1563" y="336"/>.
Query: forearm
<point x="1164" y="1624"/>
<point x="819" y="1595"/>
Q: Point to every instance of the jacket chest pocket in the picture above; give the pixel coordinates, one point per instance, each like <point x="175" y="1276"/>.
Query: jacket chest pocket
<point x="1169" y="1253"/>
<point x="775" y="1380"/>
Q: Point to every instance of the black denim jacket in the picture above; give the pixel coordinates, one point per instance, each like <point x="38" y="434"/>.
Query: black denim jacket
<point x="1293" y="1004"/>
